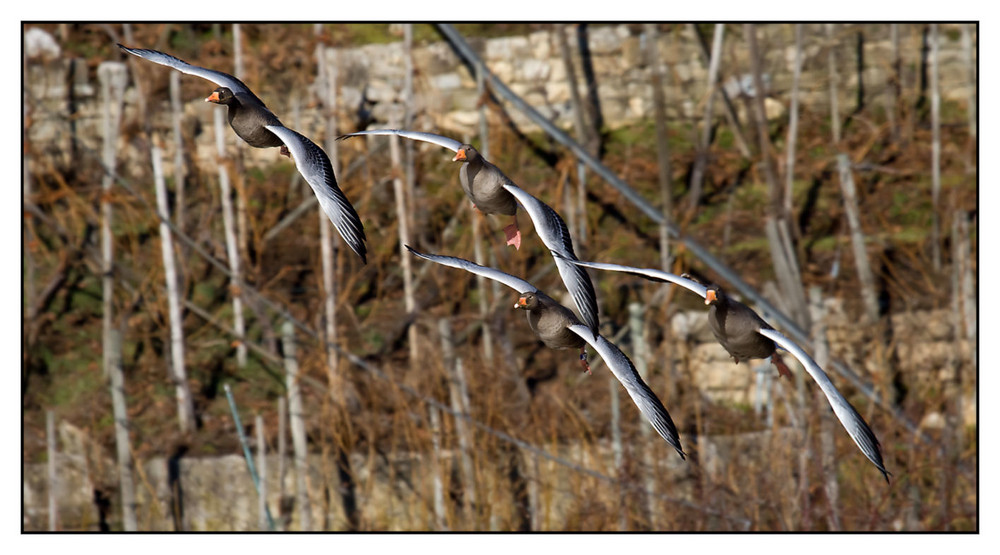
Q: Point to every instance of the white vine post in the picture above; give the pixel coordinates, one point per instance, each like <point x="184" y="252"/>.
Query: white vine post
<point x="229" y="229"/>
<point x="326" y="90"/>
<point x="178" y="374"/>
<point x="112" y="77"/>
<point x="935" y="86"/>
<point x="262" y="521"/>
<point x="458" y="393"/>
<point x="793" y="123"/>
<point x="53" y="454"/>
<point x="402" y="219"/>
<point x="298" y="426"/>
<point x="652" y="37"/>
<point x="180" y="171"/>
<point x="122" y="443"/>
<point x="834" y="83"/>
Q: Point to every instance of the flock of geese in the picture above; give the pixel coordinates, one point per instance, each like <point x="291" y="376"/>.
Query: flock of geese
<point x="736" y="326"/>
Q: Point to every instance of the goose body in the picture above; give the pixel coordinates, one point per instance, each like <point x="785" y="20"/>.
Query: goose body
<point x="248" y="117"/>
<point x="550" y="320"/>
<point x="484" y="184"/>
<point x="736" y="326"/>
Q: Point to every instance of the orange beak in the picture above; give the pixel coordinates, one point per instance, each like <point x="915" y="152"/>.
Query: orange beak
<point x="214" y="97"/>
<point x="459" y="156"/>
<point x="520" y="303"/>
<point x="710" y="296"/>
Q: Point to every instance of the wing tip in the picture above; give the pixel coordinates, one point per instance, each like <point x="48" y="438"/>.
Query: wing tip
<point x="357" y="244"/>
<point x="670" y="435"/>
<point x="876" y="459"/>
<point x="361" y="251"/>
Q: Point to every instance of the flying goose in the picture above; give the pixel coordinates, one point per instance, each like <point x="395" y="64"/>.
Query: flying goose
<point x="259" y="127"/>
<point x="559" y="328"/>
<point x="746" y="335"/>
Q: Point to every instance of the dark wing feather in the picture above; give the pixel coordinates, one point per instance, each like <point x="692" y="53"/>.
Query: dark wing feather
<point x="643" y="397"/>
<point x="315" y="167"/>
<point x="552" y="230"/>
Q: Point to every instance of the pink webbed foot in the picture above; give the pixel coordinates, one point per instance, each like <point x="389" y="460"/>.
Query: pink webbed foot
<point x="283" y="150"/>
<point x="513" y="236"/>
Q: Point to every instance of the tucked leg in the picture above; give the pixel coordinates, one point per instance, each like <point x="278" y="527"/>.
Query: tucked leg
<point x="583" y="360"/>
<point x="782" y="367"/>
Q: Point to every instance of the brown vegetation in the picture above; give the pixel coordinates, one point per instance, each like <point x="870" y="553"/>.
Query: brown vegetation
<point x="535" y="395"/>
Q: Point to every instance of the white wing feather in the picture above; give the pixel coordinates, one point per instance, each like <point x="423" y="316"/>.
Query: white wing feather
<point x="552" y="230"/>
<point x="515" y="283"/>
<point x="855" y="425"/>
<point x="315" y="167"/>
<point x="219" y="78"/>
<point x="643" y="397"/>
<point x="450" y="144"/>
<point x="650" y="274"/>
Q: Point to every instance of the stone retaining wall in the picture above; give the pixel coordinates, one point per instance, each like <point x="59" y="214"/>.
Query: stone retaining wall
<point x="446" y="97"/>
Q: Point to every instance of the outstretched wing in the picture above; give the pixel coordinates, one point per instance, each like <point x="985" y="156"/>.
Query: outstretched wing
<point x="515" y="283"/>
<point x="552" y="230"/>
<point x="648" y="273"/>
<point x="643" y="397"/>
<point x="219" y="78"/>
<point x="450" y="144"/>
<point x="315" y="167"/>
<point x="852" y="421"/>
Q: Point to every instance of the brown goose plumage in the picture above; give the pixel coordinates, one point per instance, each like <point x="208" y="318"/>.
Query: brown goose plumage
<point x="247" y="116"/>
<point x="737" y="327"/>
<point x="551" y="321"/>
<point x="483" y="183"/>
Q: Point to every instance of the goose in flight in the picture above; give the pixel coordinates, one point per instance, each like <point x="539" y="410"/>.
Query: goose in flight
<point x="259" y="127"/>
<point x="745" y="335"/>
<point x="493" y="192"/>
<point x="559" y="328"/>
<point x="482" y="182"/>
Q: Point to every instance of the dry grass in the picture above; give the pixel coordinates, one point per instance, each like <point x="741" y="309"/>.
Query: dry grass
<point x="535" y="395"/>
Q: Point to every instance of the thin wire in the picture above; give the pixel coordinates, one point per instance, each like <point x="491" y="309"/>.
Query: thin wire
<point x="246" y="451"/>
